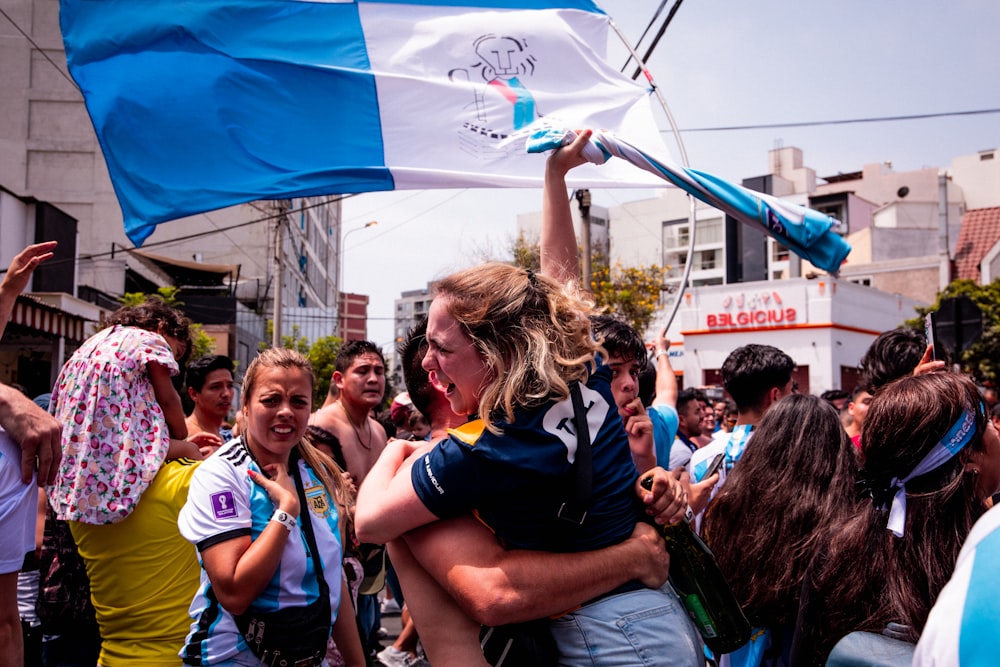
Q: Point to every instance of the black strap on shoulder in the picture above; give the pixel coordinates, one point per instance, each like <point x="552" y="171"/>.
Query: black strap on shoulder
<point x="304" y="512"/>
<point x="574" y="510"/>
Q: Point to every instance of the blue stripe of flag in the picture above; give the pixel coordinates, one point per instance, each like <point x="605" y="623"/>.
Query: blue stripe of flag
<point x="979" y="615"/>
<point x="196" y="65"/>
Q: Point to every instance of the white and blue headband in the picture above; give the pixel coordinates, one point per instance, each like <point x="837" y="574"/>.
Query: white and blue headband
<point x="958" y="436"/>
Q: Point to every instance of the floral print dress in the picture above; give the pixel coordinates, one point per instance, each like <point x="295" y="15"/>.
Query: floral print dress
<point x="114" y="434"/>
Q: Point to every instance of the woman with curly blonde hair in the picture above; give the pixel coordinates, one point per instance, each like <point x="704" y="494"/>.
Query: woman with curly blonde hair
<point x="509" y="348"/>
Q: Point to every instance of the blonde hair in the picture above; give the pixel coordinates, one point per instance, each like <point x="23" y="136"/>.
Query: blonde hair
<point x="330" y="474"/>
<point x="532" y="333"/>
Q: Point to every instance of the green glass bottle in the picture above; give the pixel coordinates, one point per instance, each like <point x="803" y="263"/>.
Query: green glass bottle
<point x="703" y="589"/>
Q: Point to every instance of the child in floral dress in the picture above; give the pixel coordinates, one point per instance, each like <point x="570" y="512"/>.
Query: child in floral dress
<point x="121" y="415"/>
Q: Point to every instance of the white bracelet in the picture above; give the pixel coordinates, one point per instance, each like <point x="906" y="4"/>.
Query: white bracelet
<point x="285" y="519"/>
<point x="661" y="353"/>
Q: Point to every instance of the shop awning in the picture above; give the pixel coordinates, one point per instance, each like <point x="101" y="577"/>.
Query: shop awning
<point x="43" y="318"/>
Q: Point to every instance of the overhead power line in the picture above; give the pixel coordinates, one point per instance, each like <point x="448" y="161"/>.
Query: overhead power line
<point x="848" y="121"/>
<point x="117" y="248"/>
<point x="649" y="26"/>
<point x="656" y="39"/>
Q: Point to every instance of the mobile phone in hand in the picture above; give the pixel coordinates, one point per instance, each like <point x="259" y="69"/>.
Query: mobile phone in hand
<point x="714" y="465"/>
<point x="937" y="350"/>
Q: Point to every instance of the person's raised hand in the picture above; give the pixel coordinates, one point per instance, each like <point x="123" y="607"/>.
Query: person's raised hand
<point x="661" y="343"/>
<point x="928" y="364"/>
<point x="569" y="156"/>
<point x="23" y="264"/>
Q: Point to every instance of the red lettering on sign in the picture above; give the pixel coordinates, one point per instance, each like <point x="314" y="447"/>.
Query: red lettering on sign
<point x="744" y="318"/>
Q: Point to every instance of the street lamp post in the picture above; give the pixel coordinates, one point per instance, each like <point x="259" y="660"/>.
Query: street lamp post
<point x="343" y="241"/>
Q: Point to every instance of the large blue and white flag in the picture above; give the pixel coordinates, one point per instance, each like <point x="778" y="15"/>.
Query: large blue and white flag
<point x="201" y="104"/>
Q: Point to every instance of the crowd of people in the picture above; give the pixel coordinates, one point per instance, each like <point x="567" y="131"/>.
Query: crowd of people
<point x="497" y="502"/>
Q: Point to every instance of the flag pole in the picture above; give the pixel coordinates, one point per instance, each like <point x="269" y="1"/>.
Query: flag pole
<point x="684" y="161"/>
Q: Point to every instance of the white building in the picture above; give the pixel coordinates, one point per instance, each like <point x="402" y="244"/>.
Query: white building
<point x="529" y="225"/>
<point x="824" y="324"/>
<point x="411" y="307"/>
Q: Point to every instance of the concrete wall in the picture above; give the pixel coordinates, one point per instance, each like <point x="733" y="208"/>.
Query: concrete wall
<point x="979" y="177"/>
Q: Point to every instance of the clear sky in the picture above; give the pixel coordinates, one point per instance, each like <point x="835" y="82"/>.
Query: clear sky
<point x="729" y="63"/>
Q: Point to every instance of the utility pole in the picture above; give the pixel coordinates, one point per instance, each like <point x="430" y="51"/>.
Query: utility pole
<point x="944" y="243"/>
<point x="583" y="199"/>
<point x="281" y="207"/>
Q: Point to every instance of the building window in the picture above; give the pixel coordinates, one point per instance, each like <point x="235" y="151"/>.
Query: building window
<point x="865" y="281"/>
<point x="706" y="281"/>
<point x="675" y="234"/>
<point x="706" y="259"/>
<point x="709" y="231"/>
<point x="683" y="236"/>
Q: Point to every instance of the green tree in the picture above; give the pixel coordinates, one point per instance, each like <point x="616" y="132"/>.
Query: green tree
<point x="322" y="353"/>
<point x="526" y="253"/>
<point x="201" y="342"/>
<point x="632" y="292"/>
<point x="982" y="359"/>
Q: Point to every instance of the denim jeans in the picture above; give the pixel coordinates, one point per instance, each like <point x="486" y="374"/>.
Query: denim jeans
<point x="647" y="627"/>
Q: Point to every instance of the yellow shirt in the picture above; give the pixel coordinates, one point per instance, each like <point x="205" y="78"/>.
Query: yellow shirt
<point x="143" y="574"/>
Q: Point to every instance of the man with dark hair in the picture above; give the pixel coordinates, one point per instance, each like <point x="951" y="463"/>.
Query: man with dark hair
<point x="756" y="376"/>
<point x="359" y="375"/>
<point x="838" y="398"/>
<point x="892" y="355"/>
<point x="211" y="388"/>
<point x="626" y="357"/>
<point x="689" y="420"/>
<point x="424" y="396"/>
<point x="857" y="409"/>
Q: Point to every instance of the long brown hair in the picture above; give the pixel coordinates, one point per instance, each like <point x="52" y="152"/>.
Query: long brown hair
<point x="869" y="577"/>
<point x="793" y="483"/>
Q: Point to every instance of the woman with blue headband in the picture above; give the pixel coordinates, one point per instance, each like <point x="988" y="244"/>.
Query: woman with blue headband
<point x="932" y="458"/>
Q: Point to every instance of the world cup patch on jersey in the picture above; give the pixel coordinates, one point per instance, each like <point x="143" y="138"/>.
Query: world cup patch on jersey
<point x="223" y="505"/>
<point x="318" y="502"/>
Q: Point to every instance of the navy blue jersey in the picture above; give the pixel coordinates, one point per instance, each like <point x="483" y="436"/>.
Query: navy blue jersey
<point x="517" y="481"/>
